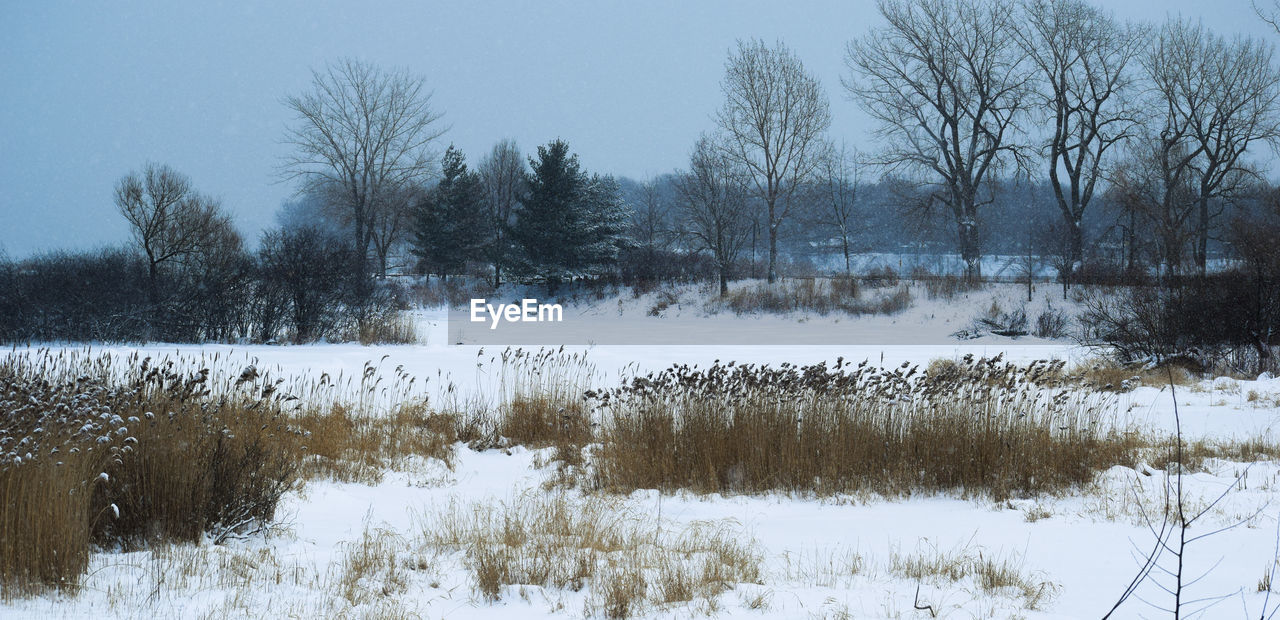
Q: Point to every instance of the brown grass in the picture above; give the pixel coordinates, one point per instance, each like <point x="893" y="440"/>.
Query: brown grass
<point x="368" y="568"/>
<point x="1110" y="376"/>
<point x="99" y="451"/>
<point x="943" y="286"/>
<point x="388" y="328"/>
<point x="629" y="563"/>
<point x="991" y="574"/>
<point x="528" y="398"/>
<point x="989" y="428"/>
<point x="345" y="445"/>
<point x="130" y="454"/>
<point x="821" y="295"/>
<point x="1196" y="452"/>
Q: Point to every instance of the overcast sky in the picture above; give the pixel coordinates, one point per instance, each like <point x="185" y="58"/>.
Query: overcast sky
<point x="93" y="90"/>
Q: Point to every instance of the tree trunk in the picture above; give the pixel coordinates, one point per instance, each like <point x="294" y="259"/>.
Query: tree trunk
<point x="773" y="249"/>
<point x="724" y="281"/>
<point x="1075" y="246"/>
<point x="970" y="251"/>
<point x="1202" y="237"/>
<point x="848" y="270"/>
<point x="153" y="297"/>
<point x="1131" y="239"/>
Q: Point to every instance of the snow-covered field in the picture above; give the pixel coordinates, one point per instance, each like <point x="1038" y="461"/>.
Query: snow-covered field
<point x="846" y="557"/>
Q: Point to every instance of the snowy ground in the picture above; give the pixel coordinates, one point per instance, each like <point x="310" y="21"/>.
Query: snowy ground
<point x="689" y="314"/>
<point x="1078" y="551"/>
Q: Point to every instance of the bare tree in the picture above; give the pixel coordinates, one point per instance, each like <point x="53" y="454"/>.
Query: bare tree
<point x="1243" y="107"/>
<point x="365" y="133"/>
<point x="948" y="85"/>
<point x="651" y="229"/>
<point x="389" y="222"/>
<point x="170" y="222"/>
<point x="713" y="196"/>
<point x="838" y="188"/>
<point x="650" y="220"/>
<point x="1217" y="98"/>
<point x="502" y="175"/>
<point x="774" y="117"/>
<point x="1153" y="186"/>
<point x="1268" y="12"/>
<point x="1083" y="56"/>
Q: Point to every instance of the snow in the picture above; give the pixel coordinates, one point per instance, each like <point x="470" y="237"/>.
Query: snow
<point x="1085" y="545"/>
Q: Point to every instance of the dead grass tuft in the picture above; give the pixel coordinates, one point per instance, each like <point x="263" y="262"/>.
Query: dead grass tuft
<point x="346" y="445"/>
<point x="388" y="328"/>
<point x="628" y="563"/>
<point x="369" y="570"/>
<point x="1110" y="376"/>
<point x="991" y="574"/>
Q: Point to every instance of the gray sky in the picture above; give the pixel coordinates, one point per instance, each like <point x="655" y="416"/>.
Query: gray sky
<point x="93" y="90"/>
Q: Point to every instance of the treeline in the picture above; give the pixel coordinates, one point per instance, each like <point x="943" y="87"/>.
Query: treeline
<point x="188" y="277"/>
<point x="1113" y="152"/>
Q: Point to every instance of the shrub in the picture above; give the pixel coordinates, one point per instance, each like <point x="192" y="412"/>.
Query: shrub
<point x="665" y="300"/>
<point x="943" y="286"/>
<point x="453" y="293"/>
<point x="1207" y="322"/>
<point x="881" y="276"/>
<point x="997" y="321"/>
<point x="821" y="295"/>
<point x="1051" y="323"/>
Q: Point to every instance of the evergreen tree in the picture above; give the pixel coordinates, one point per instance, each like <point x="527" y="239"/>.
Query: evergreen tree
<point x="570" y="224"/>
<point x="449" y="224"/>
<point x="548" y="227"/>
<point x="606" y="221"/>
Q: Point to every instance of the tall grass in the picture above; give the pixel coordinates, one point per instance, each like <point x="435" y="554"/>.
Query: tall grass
<point x="96" y="453"/>
<point x="980" y="427"/>
<point x="127" y="452"/>
<point x="525" y="398"/>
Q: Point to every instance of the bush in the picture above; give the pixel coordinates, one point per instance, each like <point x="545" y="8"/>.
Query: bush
<point x="647" y="266"/>
<point x="1051" y="323"/>
<point x="944" y="286"/>
<point x="880" y="277"/>
<point x="301" y="286"/>
<point x="1210" y="322"/>
<point x="821" y="295"/>
<point x="453" y="293"/>
<point x="995" y="320"/>
<point x="81" y="297"/>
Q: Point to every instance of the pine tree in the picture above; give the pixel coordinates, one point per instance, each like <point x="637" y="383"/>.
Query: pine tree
<point x="570" y="224"/>
<point x="547" y="228"/>
<point x="605" y="223"/>
<point x="449" y="224"/>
